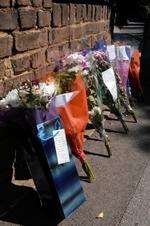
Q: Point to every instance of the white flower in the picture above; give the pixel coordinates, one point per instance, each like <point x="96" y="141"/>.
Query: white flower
<point x="47" y="89"/>
<point x="96" y="110"/>
<point x="75" y="58"/>
<point x="85" y="72"/>
<point x="75" y="69"/>
<point x="12" y="99"/>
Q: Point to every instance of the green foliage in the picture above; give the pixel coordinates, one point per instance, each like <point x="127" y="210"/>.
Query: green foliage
<point x="64" y="81"/>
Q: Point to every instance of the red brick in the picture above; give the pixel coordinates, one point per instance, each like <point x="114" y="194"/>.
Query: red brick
<point x="5" y="3"/>
<point x="6" y="85"/>
<point x="33" y="39"/>
<point x="9" y="73"/>
<point x="56" y="15"/>
<point x="75" y="45"/>
<point x="38" y="59"/>
<point x="2" y="89"/>
<point x="43" y="40"/>
<point x="65" y="14"/>
<point x="6" y="45"/>
<point x="44" y="18"/>
<point x="23" y="77"/>
<point x="72" y="13"/>
<point x="20" y="63"/>
<point x="36" y="3"/>
<point x="6" y="69"/>
<point x="27" y="17"/>
<point x="23" y="2"/>
<point x="47" y="3"/>
<point x="8" y="19"/>
<point x="64" y="48"/>
<point x="98" y="12"/>
<point x="103" y="26"/>
<point x="40" y="72"/>
<point x="105" y="12"/>
<point x="77" y="31"/>
<point x="89" y="12"/>
<point x="93" y="13"/>
<point x="78" y="13"/>
<point x="50" y="36"/>
<point x="53" y="54"/>
<point x="106" y="25"/>
<point x="84" y="15"/>
<point x="60" y="34"/>
<point x="50" y="68"/>
<point x="2" y="69"/>
<point x="94" y="27"/>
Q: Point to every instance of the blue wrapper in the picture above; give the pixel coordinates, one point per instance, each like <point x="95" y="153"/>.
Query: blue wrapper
<point x="58" y="186"/>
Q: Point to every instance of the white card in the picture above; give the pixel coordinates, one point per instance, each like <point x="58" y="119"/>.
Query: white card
<point x="121" y="53"/>
<point x="62" y="99"/>
<point x="110" y="81"/>
<point x="61" y="146"/>
<point x="111" y="52"/>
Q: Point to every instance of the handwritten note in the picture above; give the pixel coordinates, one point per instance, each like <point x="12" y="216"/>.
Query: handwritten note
<point x="61" y="146"/>
<point x="110" y="82"/>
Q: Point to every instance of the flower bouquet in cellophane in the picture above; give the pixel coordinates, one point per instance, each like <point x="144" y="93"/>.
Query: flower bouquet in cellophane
<point x="119" y="57"/>
<point x="134" y="75"/>
<point x="29" y="94"/>
<point x="71" y="103"/>
<point x="95" y="102"/>
<point x="108" y="85"/>
<point x="81" y="62"/>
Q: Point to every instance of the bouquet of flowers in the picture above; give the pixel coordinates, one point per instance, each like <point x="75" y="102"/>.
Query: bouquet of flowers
<point x="72" y="95"/>
<point x="81" y="62"/>
<point x="134" y="75"/>
<point x="30" y="94"/>
<point x="107" y="80"/>
<point x="119" y="57"/>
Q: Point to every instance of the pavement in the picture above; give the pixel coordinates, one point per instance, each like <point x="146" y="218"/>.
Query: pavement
<point x="138" y="210"/>
<point x="120" y="193"/>
<point x="119" y="180"/>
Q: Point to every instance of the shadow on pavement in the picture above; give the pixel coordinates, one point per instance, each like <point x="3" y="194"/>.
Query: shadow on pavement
<point x="26" y="210"/>
<point x="97" y="154"/>
<point x="142" y="135"/>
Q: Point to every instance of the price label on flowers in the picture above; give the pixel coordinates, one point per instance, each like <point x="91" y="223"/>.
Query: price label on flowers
<point x="61" y="147"/>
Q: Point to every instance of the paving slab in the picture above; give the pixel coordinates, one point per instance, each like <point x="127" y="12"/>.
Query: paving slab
<point x="116" y="178"/>
<point x="138" y="210"/>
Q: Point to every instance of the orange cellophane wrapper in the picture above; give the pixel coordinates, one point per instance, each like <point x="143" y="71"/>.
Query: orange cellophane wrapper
<point x="134" y="72"/>
<point x="75" y="117"/>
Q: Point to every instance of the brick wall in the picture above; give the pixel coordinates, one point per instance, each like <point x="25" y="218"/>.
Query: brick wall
<point x="34" y="33"/>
